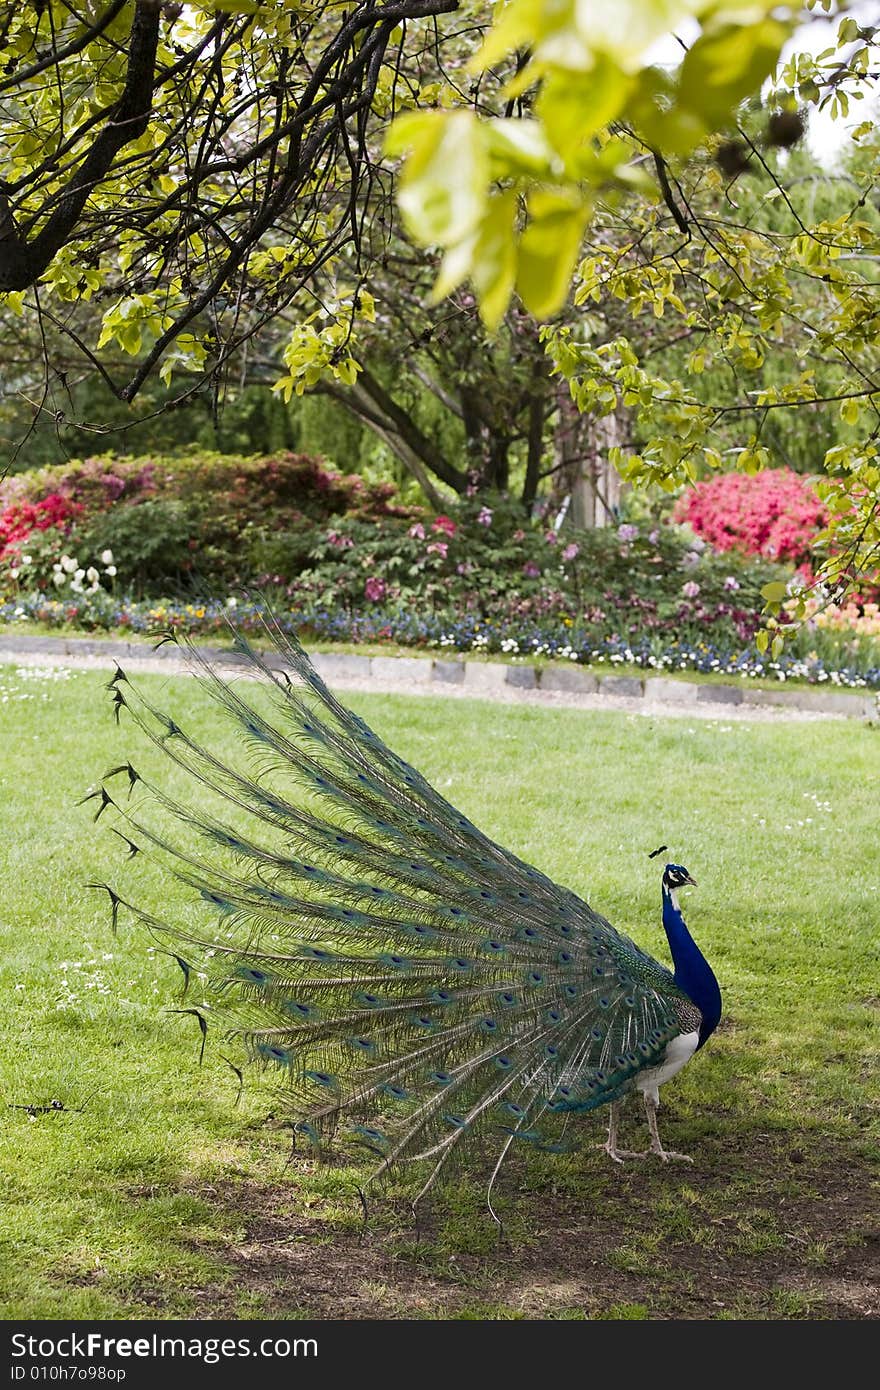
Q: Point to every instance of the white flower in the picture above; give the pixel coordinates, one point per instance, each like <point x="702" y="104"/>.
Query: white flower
<point x="58" y="577"/>
<point x="92" y="575"/>
<point x="79" y="576"/>
<point x="106" y="557"/>
<point x="68" y="564"/>
<point x="27" y="559"/>
<point x="13" y="574"/>
<point x="111" y="569"/>
<point x="232" y="603"/>
<point x="76" y="586"/>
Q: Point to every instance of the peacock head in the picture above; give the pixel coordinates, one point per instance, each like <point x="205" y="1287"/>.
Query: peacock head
<point x="676" y="876"/>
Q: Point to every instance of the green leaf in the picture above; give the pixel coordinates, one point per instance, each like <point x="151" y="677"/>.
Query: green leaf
<point x="775" y="592"/>
<point x="519" y="147"/>
<point x="444" y="185"/>
<point x="575" y="106"/>
<point x="548" y="251"/>
<point x="488" y="257"/>
<point x="727" y="63"/>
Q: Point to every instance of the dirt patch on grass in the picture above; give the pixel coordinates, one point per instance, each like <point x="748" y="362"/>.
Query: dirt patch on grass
<point x="769" y="1231"/>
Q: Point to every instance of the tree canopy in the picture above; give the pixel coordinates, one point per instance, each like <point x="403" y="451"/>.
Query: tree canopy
<point x="188" y="188"/>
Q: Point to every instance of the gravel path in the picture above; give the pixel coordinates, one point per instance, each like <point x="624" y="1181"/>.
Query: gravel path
<point x="403" y="684"/>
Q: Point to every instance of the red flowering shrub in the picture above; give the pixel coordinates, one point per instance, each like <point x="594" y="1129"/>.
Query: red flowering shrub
<point x="272" y="490"/>
<point x="775" y="514"/>
<point x="18" y="520"/>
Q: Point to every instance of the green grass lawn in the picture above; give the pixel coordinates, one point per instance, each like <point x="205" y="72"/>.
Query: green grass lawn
<point x="162" y="1197"/>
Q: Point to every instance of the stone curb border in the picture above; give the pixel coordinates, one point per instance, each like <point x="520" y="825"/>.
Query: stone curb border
<point x="486" y="677"/>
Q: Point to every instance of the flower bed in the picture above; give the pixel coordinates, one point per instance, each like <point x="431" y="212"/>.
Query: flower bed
<point x="129" y="544"/>
<point x="440" y="632"/>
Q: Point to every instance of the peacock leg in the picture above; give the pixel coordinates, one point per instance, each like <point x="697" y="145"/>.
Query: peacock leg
<point x="610" y="1145"/>
<point x="657" y="1148"/>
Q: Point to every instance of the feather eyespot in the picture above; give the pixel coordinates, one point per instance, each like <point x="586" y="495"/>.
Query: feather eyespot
<point x="395" y="1092"/>
<point x="323" y="1078"/>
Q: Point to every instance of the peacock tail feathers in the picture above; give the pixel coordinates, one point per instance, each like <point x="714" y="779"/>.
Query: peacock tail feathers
<point x="412" y="982"/>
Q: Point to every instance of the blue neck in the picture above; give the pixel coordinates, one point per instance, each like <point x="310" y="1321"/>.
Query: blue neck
<point x="692" y="971"/>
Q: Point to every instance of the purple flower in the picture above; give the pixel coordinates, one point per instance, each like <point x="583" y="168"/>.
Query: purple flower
<point x="731" y="583"/>
<point x="690" y="589"/>
<point x="627" y="533"/>
<point x="551" y="538"/>
<point x="485" y="517"/>
<point x="653" y="536"/>
<point x="417" y="532"/>
<point x="689" y="559"/>
<point x="341" y="542"/>
<point x="571" y="552"/>
<point x="375" y="589"/>
<point x="531" y="570"/>
<point x="440" y="548"/>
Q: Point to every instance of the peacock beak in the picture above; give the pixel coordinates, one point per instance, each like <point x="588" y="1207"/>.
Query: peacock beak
<point x="691" y="881"/>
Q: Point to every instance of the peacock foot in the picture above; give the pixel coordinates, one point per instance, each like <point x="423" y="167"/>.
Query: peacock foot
<point x="670" y="1156"/>
<point x="618" y="1155"/>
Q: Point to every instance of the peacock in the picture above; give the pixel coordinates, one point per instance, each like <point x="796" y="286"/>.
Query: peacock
<point x="412" y="983"/>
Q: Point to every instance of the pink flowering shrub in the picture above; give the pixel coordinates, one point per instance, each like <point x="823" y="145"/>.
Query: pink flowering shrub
<point x="775" y="514"/>
<point x="20" y="519"/>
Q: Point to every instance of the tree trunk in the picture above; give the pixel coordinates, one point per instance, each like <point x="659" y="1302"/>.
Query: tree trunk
<point x="584" y="474"/>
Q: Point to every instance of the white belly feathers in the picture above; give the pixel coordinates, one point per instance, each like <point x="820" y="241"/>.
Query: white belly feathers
<point x="679" y="1051"/>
